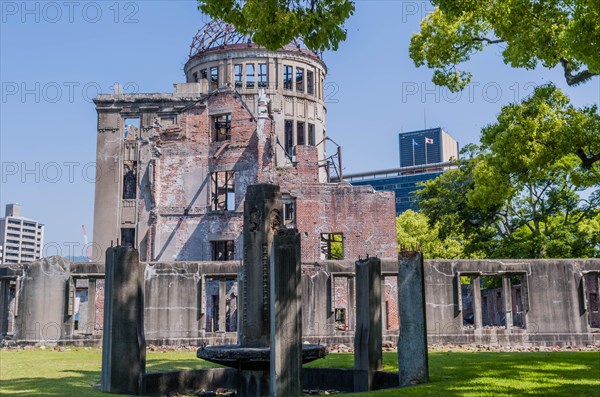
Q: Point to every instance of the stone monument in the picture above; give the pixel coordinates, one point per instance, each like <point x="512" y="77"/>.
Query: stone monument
<point x="270" y="352"/>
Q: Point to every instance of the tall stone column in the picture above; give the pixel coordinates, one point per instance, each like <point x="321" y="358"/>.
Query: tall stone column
<point x="286" y="315"/>
<point x="412" y="344"/>
<point x="123" y="343"/>
<point x="262" y="219"/>
<point x="368" y="334"/>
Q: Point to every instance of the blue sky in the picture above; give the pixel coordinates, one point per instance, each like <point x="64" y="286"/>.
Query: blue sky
<point x="56" y="55"/>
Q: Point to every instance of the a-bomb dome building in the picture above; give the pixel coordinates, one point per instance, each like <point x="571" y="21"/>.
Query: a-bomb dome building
<point x="175" y="166"/>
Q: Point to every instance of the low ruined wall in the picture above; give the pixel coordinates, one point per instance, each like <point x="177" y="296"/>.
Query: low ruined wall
<point x="551" y="309"/>
<point x="195" y="303"/>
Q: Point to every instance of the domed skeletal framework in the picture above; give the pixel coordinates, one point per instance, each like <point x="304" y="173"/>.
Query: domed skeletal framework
<point x="220" y="34"/>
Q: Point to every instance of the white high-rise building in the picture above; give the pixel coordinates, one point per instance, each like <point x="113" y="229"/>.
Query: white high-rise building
<point x="21" y="238"/>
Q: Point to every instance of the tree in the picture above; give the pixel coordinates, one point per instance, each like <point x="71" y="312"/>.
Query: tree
<point x="543" y="128"/>
<point x="532" y="32"/>
<point x="414" y="231"/>
<point x="275" y="23"/>
<point x="550" y="33"/>
<point x="522" y="193"/>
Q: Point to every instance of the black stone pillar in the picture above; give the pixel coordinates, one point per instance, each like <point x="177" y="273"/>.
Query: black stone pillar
<point x="412" y="344"/>
<point x="367" y="337"/>
<point x="123" y="343"/>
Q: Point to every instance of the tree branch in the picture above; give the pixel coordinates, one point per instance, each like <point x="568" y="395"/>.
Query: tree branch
<point x="578" y="78"/>
<point x="586" y="161"/>
<point x="489" y="41"/>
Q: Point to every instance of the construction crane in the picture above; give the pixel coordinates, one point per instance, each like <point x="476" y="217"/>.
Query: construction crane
<point x="87" y="246"/>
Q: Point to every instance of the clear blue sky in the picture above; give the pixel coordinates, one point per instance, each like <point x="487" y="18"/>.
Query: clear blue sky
<point x="55" y="56"/>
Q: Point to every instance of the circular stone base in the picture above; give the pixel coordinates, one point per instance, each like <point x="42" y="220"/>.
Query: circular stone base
<point x="253" y="358"/>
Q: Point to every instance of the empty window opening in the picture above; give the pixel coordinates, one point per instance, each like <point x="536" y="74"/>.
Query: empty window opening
<point x="10" y="306"/>
<point x="131" y="128"/>
<point x="492" y="302"/>
<point x="311" y="135"/>
<point x="263" y="78"/>
<point x="223" y="191"/>
<point x="195" y="77"/>
<point x="390" y="297"/>
<point x="299" y="80"/>
<point x="221" y="304"/>
<point x="321" y="88"/>
<point x="310" y="82"/>
<point x="300" y="133"/>
<point x="129" y="180"/>
<point x="249" y="75"/>
<point x="215" y="313"/>
<point x="468" y="301"/>
<point x="518" y="296"/>
<point x="342" y="302"/>
<point x="289" y="210"/>
<point x="340" y="319"/>
<point x="592" y="296"/>
<point x="289" y="138"/>
<point x="128" y="237"/>
<point x="223" y="250"/>
<point x="238" y="73"/>
<point x="204" y="74"/>
<point x="332" y="246"/>
<point x="222" y="127"/>
<point x="287" y="77"/>
<point x="81" y="310"/>
<point x="214" y="77"/>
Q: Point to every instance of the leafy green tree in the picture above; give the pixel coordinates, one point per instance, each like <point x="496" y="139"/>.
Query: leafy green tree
<point x="531" y="32"/>
<point x="525" y="192"/>
<point x="413" y="231"/>
<point x="275" y="23"/>
<point x="543" y="129"/>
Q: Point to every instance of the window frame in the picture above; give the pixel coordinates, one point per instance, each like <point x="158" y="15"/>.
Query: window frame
<point x="310" y="82"/>
<point x="219" y="125"/>
<point x="263" y="75"/>
<point x="288" y="77"/>
<point x="238" y="75"/>
<point x="250" y="77"/>
<point x="214" y="77"/>
<point x="300" y="133"/>
<point x="227" y="247"/>
<point x="300" y="82"/>
<point x="226" y="190"/>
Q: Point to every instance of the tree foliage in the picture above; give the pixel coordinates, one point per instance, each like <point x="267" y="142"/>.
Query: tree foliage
<point x="525" y="192"/>
<point x="531" y="32"/>
<point x="413" y="231"/>
<point x="275" y="23"/>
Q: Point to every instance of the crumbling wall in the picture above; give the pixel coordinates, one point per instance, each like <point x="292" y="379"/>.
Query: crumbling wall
<point x="553" y="309"/>
<point x="366" y="218"/>
<point x="557" y="306"/>
<point x="43" y="312"/>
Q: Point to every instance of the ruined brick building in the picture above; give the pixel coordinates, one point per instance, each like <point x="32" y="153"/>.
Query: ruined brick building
<point x="175" y="167"/>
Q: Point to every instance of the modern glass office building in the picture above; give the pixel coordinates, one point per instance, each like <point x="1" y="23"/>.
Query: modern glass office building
<point x="424" y="155"/>
<point x="429" y="146"/>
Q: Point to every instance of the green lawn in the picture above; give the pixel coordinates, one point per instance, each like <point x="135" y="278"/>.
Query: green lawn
<point x="73" y="372"/>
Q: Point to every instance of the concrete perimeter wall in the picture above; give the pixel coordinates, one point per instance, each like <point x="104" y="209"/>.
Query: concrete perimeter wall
<point x="531" y="302"/>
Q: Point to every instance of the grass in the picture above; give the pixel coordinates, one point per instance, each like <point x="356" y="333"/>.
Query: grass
<point x="73" y="372"/>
